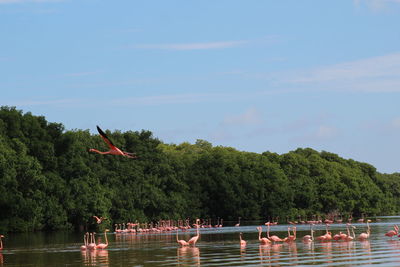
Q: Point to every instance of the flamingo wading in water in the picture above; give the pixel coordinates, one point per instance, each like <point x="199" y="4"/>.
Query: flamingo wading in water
<point x="243" y="243"/>
<point x="85" y="241"/>
<point x="309" y="238"/>
<point x="394" y="232"/>
<point x="263" y="240"/>
<point x="181" y="241"/>
<point x="113" y="149"/>
<point x="103" y="245"/>
<point x="274" y="238"/>
<point x="193" y="240"/>
<point x="1" y="242"/>
<point x="364" y="236"/>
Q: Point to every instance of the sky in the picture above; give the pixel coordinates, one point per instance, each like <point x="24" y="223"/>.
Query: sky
<point x="256" y="75"/>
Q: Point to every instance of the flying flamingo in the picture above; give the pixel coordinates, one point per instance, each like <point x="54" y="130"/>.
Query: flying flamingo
<point x="193" y="240"/>
<point x="99" y="220"/>
<point x="273" y="238"/>
<point x="394" y="232"/>
<point x="113" y="149"/>
<point x="85" y="241"/>
<point x="92" y="245"/>
<point x="364" y="236"/>
<point x="102" y="245"/>
<point x="309" y="238"/>
<point x="1" y="242"/>
<point x="263" y="240"/>
<point x="242" y="242"/>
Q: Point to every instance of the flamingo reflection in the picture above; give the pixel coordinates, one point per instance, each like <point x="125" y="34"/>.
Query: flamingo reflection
<point x="95" y="257"/>
<point x="188" y="255"/>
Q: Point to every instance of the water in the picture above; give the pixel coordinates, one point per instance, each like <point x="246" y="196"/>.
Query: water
<point x="216" y="247"/>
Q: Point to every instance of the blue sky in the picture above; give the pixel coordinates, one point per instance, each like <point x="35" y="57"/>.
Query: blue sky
<point x="254" y="75"/>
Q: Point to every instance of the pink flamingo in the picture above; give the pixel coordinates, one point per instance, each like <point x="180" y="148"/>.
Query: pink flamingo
<point x="113" y="149"/>
<point x="263" y="240"/>
<point x="291" y="238"/>
<point x="92" y="245"/>
<point x="242" y="242"/>
<point x="181" y="242"/>
<point x="193" y="240"/>
<point x="323" y="237"/>
<point x="328" y="235"/>
<point x="1" y="242"/>
<point x="394" y="232"/>
<point x="238" y="224"/>
<point x="103" y="245"/>
<point x="309" y="238"/>
<point x="85" y="241"/>
<point x="274" y="238"/>
<point x="99" y="220"/>
<point x="349" y="236"/>
<point x="364" y="236"/>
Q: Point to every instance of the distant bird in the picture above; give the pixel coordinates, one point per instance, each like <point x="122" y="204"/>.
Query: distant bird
<point x="242" y="242"/>
<point x="85" y="241"/>
<point x="103" y="245"/>
<point x="349" y="236"/>
<point x="99" y="220"/>
<point x="291" y="238"/>
<point x="193" y="240"/>
<point x="263" y="240"/>
<point x="181" y="241"/>
<point x="92" y="244"/>
<point x="364" y="236"/>
<point x="113" y="149"/>
<point x="394" y="232"/>
<point x="1" y="242"/>
<point x="238" y="224"/>
<point x="309" y="238"/>
<point x="274" y="238"/>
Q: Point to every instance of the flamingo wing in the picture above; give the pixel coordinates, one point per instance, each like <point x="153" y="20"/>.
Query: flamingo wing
<point x="105" y="137"/>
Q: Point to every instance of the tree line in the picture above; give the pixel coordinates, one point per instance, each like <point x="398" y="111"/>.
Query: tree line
<point x="49" y="180"/>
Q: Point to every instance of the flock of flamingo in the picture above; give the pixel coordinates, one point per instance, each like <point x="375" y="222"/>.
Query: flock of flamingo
<point x="90" y="244"/>
<point x="89" y="240"/>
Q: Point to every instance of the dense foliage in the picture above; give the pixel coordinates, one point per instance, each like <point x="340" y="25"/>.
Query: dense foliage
<point x="49" y="180"/>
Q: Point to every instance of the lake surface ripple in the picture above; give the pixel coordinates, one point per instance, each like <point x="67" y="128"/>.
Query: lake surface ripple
<point x="216" y="247"/>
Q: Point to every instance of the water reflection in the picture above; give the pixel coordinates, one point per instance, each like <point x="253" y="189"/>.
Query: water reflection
<point x="95" y="257"/>
<point x="219" y="247"/>
<point x="188" y="256"/>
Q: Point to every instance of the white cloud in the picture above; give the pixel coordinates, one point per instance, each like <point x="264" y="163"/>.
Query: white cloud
<point x="192" y="46"/>
<point x="325" y="132"/>
<point x="250" y="116"/>
<point x="80" y="74"/>
<point x="376" y="5"/>
<point x="26" y="1"/>
<point x="52" y="102"/>
<point x="376" y="74"/>
<point x="396" y="123"/>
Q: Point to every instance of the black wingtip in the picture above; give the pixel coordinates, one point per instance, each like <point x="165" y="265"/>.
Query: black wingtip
<point x="100" y="130"/>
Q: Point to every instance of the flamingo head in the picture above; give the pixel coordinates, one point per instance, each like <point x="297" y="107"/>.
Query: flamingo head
<point x="1" y="236"/>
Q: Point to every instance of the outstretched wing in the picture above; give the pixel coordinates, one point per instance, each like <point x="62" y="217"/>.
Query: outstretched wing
<point x="104" y="136"/>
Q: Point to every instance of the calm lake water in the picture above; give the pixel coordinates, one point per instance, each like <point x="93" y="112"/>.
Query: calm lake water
<point x="216" y="247"/>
